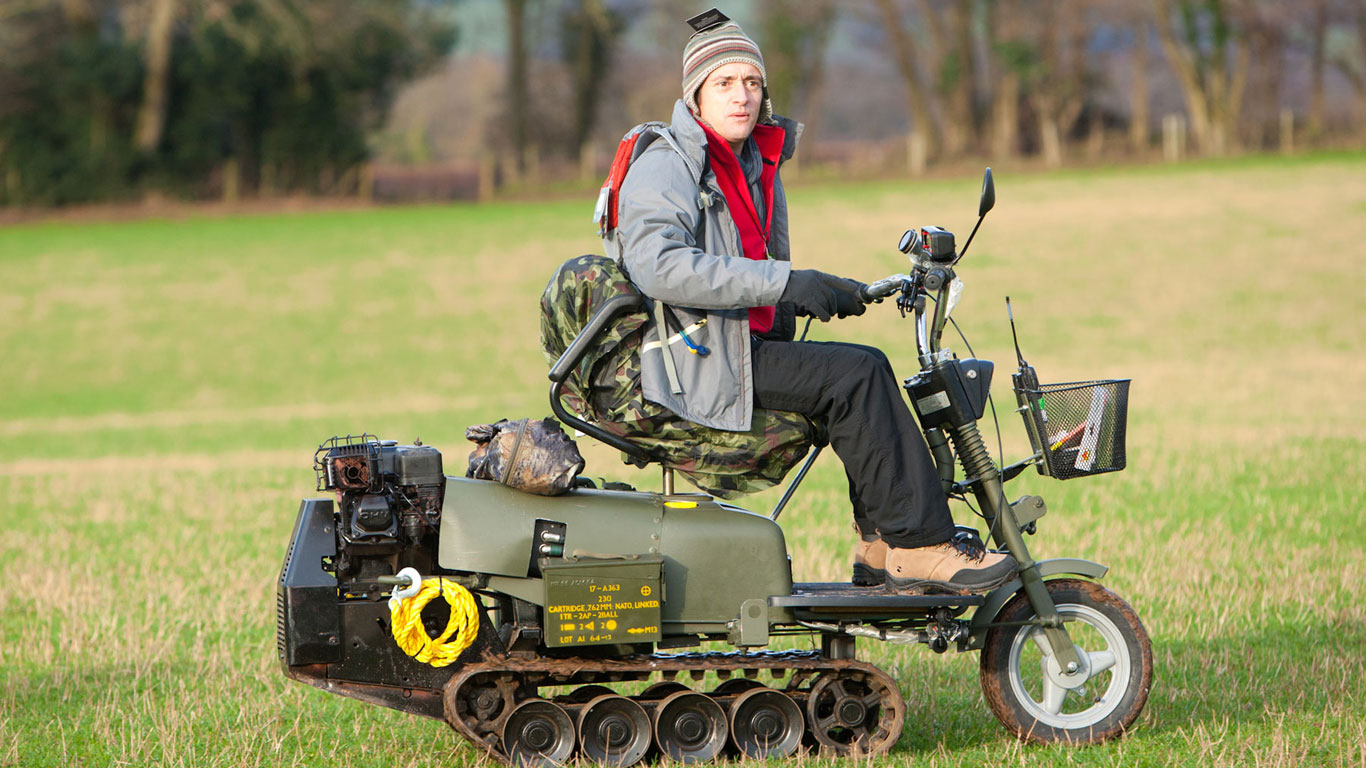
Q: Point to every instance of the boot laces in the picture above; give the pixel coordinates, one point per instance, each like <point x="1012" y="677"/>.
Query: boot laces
<point x="968" y="546"/>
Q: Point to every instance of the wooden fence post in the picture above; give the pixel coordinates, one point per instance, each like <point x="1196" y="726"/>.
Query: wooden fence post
<point x="1173" y="138"/>
<point x="365" y="184"/>
<point x="486" y="172"/>
<point x="231" y="180"/>
<point x="916" y="151"/>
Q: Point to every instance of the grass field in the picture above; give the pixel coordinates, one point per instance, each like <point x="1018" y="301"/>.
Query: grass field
<point x="164" y="383"/>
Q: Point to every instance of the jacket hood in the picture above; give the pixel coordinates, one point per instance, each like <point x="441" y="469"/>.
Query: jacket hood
<point x="693" y="140"/>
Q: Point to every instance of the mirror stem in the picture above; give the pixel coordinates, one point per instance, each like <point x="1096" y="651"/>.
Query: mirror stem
<point x="967" y="245"/>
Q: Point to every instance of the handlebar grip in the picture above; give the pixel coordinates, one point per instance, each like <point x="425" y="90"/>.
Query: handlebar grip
<point x="882" y="288"/>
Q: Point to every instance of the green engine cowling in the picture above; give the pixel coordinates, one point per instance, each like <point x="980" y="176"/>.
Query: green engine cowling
<point x="717" y="565"/>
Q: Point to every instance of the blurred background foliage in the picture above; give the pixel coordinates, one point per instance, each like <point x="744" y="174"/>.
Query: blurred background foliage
<point x="228" y="99"/>
<point x="102" y="99"/>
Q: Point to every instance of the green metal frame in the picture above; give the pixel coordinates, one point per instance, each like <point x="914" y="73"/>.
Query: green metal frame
<point x="984" y="480"/>
<point x="986" y="613"/>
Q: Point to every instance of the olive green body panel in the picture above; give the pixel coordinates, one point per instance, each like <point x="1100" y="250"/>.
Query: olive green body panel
<point x="996" y="600"/>
<point x="715" y="557"/>
<point x="487" y="527"/>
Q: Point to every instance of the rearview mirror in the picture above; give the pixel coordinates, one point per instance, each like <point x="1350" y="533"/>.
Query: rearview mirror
<point x="909" y="241"/>
<point x="988" y="195"/>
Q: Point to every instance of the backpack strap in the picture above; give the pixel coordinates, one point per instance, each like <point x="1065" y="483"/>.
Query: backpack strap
<point x="608" y="206"/>
<point x="631" y="147"/>
<point x="662" y="328"/>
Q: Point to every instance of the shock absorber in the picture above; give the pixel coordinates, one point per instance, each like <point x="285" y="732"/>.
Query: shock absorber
<point x="943" y="456"/>
<point x="985" y="481"/>
<point x="972" y="451"/>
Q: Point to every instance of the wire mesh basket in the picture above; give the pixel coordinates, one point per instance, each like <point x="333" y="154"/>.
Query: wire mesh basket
<point x="1081" y="425"/>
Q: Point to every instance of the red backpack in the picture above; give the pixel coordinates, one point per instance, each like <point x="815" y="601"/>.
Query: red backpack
<point x="632" y="146"/>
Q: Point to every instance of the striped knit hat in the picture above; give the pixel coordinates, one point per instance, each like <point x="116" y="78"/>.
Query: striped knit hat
<point x="713" y="48"/>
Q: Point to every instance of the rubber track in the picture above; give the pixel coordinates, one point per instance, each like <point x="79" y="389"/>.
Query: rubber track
<point x="518" y="679"/>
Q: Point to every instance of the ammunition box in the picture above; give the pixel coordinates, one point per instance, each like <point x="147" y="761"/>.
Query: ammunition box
<point x="600" y="601"/>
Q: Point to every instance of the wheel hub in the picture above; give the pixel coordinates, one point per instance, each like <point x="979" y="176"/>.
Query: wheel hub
<point x="1061" y="677"/>
<point x="538" y="735"/>
<point x="767" y="725"/>
<point x="614" y="731"/>
<point x="691" y="729"/>
<point x="852" y="712"/>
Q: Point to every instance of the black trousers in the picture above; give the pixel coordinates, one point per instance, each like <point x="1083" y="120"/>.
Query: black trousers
<point x="893" y="484"/>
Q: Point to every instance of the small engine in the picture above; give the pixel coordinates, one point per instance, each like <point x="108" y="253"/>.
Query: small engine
<point x="389" y="495"/>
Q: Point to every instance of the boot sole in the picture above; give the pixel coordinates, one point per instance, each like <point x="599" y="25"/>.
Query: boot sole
<point x="931" y="587"/>
<point x="868" y="576"/>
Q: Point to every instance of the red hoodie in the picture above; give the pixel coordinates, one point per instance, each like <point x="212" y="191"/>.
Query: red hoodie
<point x="754" y="230"/>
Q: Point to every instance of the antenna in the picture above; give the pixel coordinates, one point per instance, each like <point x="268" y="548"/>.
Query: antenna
<point x="1013" y="335"/>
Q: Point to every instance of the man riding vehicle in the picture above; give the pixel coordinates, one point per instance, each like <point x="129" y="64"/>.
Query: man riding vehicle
<point x="703" y="229"/>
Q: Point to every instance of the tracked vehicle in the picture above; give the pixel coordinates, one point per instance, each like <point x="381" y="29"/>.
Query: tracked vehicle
<point x="571" y="624"/>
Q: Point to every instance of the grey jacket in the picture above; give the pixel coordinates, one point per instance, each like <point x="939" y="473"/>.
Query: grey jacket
<point x="680" y="246"/>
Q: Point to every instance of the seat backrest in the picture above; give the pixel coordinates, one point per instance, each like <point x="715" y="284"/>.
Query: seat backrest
<point x="593" y="322"/>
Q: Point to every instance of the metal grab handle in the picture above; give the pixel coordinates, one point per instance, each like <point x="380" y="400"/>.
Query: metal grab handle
<point x="615" y="307"/>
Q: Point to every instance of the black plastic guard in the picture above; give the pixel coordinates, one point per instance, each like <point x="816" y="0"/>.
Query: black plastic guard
<point x="308" y="624"/>
<point x="953" y="392"/>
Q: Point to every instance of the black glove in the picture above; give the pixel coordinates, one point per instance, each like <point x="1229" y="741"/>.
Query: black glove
<point x="822" y="295"/>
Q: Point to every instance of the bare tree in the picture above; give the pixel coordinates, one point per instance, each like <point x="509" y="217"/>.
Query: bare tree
<point x="1354" y="69"/>
<point x="1007" y="60"/>
<point x="518" y="107"/>
<point x="1318" y="37"/>
<point x="1138" y="87"/>
<point x="952" y="63"/>
<point x="923" y="111"/>
<point x="795" y="38"/>
<point x="156" y="74"/>
<point x="1210" y="63"/>
<point x="1264" y="27"/>
<point x="1056" y="79"/>
<point x="590" y="35"/>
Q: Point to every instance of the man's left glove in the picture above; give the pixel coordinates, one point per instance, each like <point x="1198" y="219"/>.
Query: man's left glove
<point x="847" y="295"/>
<point x="822" y="295"/>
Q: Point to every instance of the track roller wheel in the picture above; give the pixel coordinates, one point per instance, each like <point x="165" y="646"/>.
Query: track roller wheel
<point x="662" y="690"/>
<point x="690" y="727"/>
<point x="736" y="685"/>
<point x="850" y="712"/>
<point x="766" y="723"/>
<point x="614" y="730"/>
<point x="479" y="706"/>
<point x="538" y="733"/>
<point x="587" y="693"/>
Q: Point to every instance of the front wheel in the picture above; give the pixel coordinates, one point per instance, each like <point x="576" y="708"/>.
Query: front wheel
<point x="1037" y="700"/>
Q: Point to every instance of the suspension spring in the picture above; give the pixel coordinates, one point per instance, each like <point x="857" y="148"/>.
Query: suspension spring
<point x="972" y="451"/>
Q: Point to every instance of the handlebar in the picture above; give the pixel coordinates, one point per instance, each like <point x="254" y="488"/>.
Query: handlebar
<point x="926" y="333"/>
<point x="882" y="288"/>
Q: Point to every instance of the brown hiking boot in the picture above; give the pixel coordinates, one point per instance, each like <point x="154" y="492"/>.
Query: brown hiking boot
<point x="960" y="565"/>
<point x="870" y="561"/>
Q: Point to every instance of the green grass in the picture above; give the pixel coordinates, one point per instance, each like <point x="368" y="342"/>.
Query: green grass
<point x="164" y="383"/>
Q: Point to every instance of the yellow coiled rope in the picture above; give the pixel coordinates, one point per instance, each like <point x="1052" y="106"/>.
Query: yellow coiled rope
<point x="405" y="614"/>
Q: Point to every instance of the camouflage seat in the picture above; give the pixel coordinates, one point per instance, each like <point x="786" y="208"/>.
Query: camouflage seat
<point x="604" y="389"/>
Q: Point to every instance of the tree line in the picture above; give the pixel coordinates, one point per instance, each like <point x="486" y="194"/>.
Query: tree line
<point x="111" y="99"/>
<point x="1002" y="78"/>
